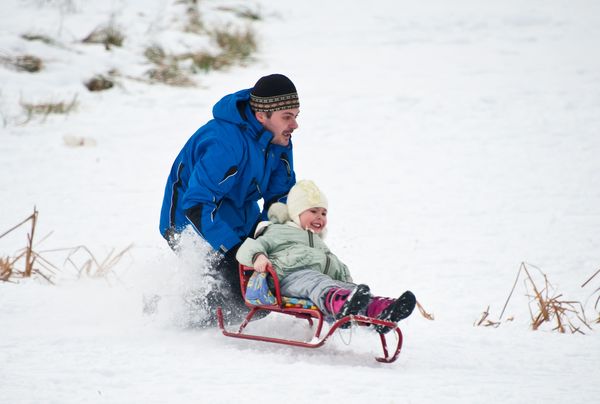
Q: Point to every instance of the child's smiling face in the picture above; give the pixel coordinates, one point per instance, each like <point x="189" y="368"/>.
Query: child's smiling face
<point x="314" y="219"/>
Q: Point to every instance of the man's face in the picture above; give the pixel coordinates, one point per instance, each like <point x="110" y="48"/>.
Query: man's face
<point x="281" y="124"/>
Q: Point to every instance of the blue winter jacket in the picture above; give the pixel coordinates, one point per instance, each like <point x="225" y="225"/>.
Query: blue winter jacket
<point x="221" y="173"/>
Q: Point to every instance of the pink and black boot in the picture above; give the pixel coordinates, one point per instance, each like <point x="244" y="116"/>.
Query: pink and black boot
<point x="344" y="302"/>
<point x="384" y="308"/>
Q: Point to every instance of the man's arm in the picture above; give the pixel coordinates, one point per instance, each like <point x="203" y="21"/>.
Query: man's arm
<point x="213" y="176"/>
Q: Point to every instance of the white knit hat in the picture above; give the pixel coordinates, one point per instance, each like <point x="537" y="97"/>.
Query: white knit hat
<point x="304" y="195"/>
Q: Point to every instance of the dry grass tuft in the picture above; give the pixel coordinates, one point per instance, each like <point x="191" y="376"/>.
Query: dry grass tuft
<point x="233" y="46"/>
<point x="22" y="264"/>
<point x="155" y="54"/>
<point x="25" y="63"/>
<point x="485" y="321"/>
<point x="170" y="74"/>
<point x="85" y="263"/>
<point x="107" y="35"/>
<point x="237" y="45"/>
<point x="44" y="109"/>
<point x="243" y="12"/>
<point x="546" y="307"/>
<point x="40" y="38"/>
<point x="6" y="268"/>
<point x="99" y="83"/>
<point x="29" y="262"/>
<point x="205" y="61"/>
<point x="194" y="19"/>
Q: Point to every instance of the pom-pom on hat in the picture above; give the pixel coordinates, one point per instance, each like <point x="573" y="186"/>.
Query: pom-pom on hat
<point x="273" y="93"/>
<point x="304" y="195"/>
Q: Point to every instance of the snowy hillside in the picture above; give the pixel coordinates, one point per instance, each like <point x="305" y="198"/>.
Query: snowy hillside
<point x="454" y="140"/>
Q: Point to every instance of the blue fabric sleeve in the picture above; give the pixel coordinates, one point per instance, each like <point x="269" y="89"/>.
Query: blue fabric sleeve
<point x="282" y="179"/>
<point x="212" y="177"/>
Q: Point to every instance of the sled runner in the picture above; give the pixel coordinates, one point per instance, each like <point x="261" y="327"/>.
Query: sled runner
<point x="307" y="311"/>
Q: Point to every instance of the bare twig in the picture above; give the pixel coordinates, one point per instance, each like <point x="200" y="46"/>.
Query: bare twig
<point x="483" y="321"/>
<point x="20" y="224"/>
<point x="29" y="260"/>
<point x="425" y="314"/>
<point x="584" y="283"/>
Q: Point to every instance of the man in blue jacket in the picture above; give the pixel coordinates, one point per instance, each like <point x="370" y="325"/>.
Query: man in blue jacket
<point x="243" y="155"/>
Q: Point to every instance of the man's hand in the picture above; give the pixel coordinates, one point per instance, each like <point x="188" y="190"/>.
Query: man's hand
<point x="261" y="263"/>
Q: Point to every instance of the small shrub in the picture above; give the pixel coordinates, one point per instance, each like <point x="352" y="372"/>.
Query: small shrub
<point x="194" y="22"/>
<point x="155" y="54"/>
<point x="236" y="45"/>
<point x="41" y="38"/>
<point x="108" y="35"/>
<point x="46" y="108"/>
<point x="26" y="63"/>
<point x="243" y="12"/>
<point x="99" y="83"/>
<point x="204" y="61"/>
<point x="170" y="74"/>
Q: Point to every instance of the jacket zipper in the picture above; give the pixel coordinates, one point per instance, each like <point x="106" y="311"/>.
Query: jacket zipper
<point x="327" y="264"/>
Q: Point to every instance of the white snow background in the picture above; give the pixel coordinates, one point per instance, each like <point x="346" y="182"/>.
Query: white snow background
<point x="454" y="141"/>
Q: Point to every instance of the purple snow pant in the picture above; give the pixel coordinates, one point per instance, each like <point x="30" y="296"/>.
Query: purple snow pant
<point x="311" y="284"/>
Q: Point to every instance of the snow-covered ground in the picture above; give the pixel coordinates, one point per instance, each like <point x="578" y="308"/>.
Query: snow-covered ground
<point x="454" y="140"/>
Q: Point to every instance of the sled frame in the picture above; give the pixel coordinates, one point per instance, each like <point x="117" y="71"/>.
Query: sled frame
<point x="309" y="315"/>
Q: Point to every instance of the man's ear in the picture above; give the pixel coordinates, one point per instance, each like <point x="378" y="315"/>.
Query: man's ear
<point x="260" y="116"/>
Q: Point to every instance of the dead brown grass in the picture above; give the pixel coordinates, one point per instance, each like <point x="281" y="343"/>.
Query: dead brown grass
<point x="546" y="306"/>
<point x="108" y="35"/>
<point x="428" y="316"/>
<point x="29" y="261"/>
<point x="99" y="83"/>
<point x="595" y="292"/>
<point x="22" y="263"/>
<point x="91" y="266"/>
<point x="170" y="74"/>
<point x="44" y="109"/>
<point x="24" y="63"/>
<point x="484" y="321"/>
<point x="243" y="12"/>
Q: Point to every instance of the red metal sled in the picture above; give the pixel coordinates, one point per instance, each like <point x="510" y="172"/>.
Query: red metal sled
<point x="309" y="315"/>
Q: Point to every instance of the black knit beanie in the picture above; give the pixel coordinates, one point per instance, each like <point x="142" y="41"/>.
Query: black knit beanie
<point x="274" y="93"/>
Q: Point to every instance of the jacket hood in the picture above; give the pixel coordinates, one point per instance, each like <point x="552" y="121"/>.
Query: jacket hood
<point x="235" y="108"/>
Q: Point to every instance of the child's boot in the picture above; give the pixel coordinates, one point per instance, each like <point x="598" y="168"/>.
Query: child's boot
<point x="391" y="309"/>
<point x="377" y="305"/>
<point x="343" y="302"/>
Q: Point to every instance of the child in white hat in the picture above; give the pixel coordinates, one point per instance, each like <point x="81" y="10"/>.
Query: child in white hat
<point x="292" y="243"/>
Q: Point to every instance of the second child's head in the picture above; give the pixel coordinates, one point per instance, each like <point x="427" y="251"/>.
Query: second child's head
<point x="307" y="206"/>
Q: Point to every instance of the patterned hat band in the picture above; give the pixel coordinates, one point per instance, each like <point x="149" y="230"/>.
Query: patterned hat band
<point x="274" y="103"/>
